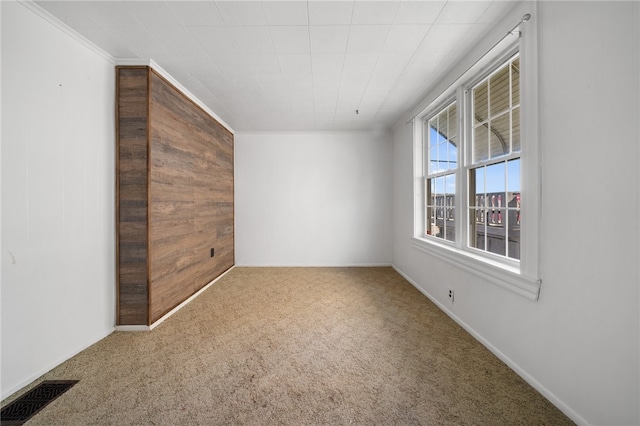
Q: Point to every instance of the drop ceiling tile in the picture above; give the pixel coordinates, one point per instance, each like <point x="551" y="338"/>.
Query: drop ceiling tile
<point x="349" y="99"/>
<point x="392" y="63"/>
<point x="329" y="38"/>
<point x="209" y="76"/>
<point x="395" y="103"/>
<point x="462" y="12"/>
<point x="262" y="64"/>
<point x="367" y="38"/>
<point x="155" y="15"/>
<point x="252" y="39"/>
<point x="443" y="37"/>
<point x="417" y="81"/>
<point x="425" y="62"/>
<point x="325" y="103"/>
<point x="75" y="17"/>
<point x="330" y="12"/>
<point x="180" y="42"/>
<point x="372" y="99"/>
<point x="387" y="117"/>
<point x="360" y="65"/>
<point x="241" y="12"/>
<point x="280" y="62"/>
<point x="196" y="13"/>
<point x="302" y="105"/>
<point x="285" y="12"/>
<point x="374" y="12"/>
<point x="329" y="82"/>
<point x="110" y="14"/>
<point x="327" y="63"/>
<point x="295" y="64"/>
<point x="214" y="40"/>
<point x="418" y="12"/>
<point x="267" y="81"/>
<point x="138" y="39"/>
<point x="405" y="38"/>
<point x="495" y="12"/>
<point x="290" y="39"/>
<point x="382" y="81"/>
<point x="353" y="83"/>
<point x="300" y="84"/>
<point x="231" y="66"/>
<point x="106" y="41"/>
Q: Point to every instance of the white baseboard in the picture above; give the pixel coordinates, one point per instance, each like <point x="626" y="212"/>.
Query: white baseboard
<point x="562" y="406"/>
<point x="173" y="311"/>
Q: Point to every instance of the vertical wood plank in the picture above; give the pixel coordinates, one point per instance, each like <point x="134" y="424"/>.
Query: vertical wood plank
<point x="132" y="188"/>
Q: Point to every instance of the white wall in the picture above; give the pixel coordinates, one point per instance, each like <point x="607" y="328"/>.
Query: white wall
<point x="579" y="344"/>
<point x="312" y="199"/>
<point x="58" y="259"/>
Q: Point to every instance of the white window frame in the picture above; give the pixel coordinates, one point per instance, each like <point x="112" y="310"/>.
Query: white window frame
<point x="427" y="175"/>
<point x="523" y="276"/>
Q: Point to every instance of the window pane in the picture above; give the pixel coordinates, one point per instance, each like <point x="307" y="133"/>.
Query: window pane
<point x="513" y="203"/>
<point x="479" y="185"/>
<point x="433" y="157"/>
<point x="499" y="94"/>
<point x="431" y="220"/>
<point x="513" y="176"/>
<point x="515" y="130"/>
<point x="443" y="127"/>
<point x="478" y="236"/>
<point x="450" y="192"/>
<point x="495" y="178"/>
<point x="440" y="207"/>
<point x="500" y="130"/>
<point x="433" y="132"/>
<point x="480" y="143"/>
<point x="495" y="238"/>
<point x="513" y="246"/>
<point x="495" y="191"/>
<point x="481" y="103"/>
<point x="453" y="153"/>
<point x="515" y="82"/>
<point x="452" y="131"/>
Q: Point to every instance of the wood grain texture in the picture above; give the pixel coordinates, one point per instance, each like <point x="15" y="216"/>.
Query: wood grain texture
<point x="189" y="178"/>
<point x="191" y="174"/>
<point x="132" y="190"/>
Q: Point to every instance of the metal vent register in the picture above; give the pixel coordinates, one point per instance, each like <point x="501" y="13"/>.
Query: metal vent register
<point x="25" y="407"/>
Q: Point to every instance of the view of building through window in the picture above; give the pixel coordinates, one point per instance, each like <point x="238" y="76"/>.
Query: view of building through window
<point x="494" y="173"/>
<point x="493" y="169"/>
<point x="442" y="158"/>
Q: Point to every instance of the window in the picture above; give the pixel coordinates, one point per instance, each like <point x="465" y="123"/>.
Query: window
<point x="494" y="167"/>
<point x="441" y="161"/>
<point x="477" y="170"/>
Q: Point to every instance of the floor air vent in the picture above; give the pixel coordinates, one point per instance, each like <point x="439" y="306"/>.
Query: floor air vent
<point x="25" y="407"/>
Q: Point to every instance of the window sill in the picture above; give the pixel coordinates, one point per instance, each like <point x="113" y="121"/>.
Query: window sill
<point x="492" y="271"/>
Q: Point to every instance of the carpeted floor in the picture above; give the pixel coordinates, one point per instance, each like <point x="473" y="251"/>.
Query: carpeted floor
<point x="297" y="346"/>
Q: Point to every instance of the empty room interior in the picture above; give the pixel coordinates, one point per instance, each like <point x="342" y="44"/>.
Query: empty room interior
<point x="321" y="212"/>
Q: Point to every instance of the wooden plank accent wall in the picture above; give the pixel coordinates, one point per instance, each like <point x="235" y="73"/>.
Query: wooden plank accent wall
<point x="189" y="171"/>
<point x="131" y="195"/>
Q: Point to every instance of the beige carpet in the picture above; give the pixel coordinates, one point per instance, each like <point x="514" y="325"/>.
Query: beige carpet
<point x="297" y="346"/>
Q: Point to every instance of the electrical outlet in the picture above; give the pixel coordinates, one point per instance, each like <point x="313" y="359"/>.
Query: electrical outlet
<point x="451" y="296"/>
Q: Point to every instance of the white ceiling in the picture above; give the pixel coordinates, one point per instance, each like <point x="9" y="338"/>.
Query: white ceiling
<point x="291" y="65"/>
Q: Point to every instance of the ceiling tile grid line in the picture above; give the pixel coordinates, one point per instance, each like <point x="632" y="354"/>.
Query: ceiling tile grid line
<point x="291" y="65"/>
